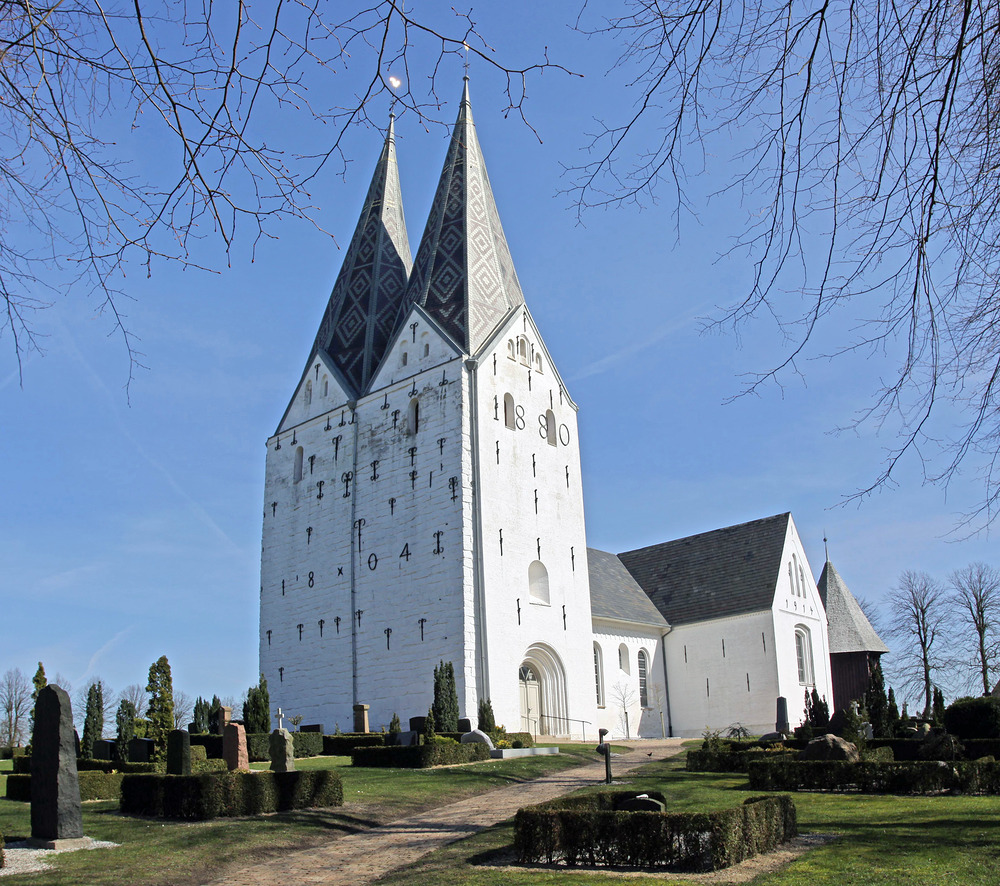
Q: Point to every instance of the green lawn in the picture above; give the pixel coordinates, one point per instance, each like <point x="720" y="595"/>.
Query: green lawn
<point x="156" y="853"/>
<point x="882" y="841"/>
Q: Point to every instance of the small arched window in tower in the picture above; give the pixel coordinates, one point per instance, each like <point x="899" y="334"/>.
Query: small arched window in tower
<point x="802" y="579"/>
<point x="538" y="582"/>
<point x="297" y="474"/>
<point x="326" y="386"/>
<point x="522" y="350"/>
<point x="427" y="348"/>
<point x="550" y="427"/>
<point x="404" y="358"/>
<point x="797" y="572"/>
<point x="599" y="674"/>
<point x="623" y="664"/>
<point x="538" y="362"/>
<point x="308" y="396"/>
<point x="791" y="578"/>
<point x="511" y="349"/>
<point x="643" y="669"/>
<point x="803" y="655"/>
<point x="413" y="417"/>
<point x="509" y="416"/>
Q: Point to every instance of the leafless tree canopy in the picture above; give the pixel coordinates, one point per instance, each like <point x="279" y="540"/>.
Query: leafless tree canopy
<point x="15" y="705"/>
<point x="183" y="709"/>
<point x="975" y="592"/>
<point x="868" y="168"/>
<point x="919" y="627"/>
<point x="135" y="693"/>
<point x="77" y="76"/>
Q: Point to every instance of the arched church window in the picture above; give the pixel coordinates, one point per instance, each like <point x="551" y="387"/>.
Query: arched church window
<point x="538" y="582"/>
<point x="791" y="578"/>
<point x="550" y="427"/>
<point x="413" y="417"/>
<point x="599" y="674"/>
<point x="803" y="655"/>
<point x="427" y="349"/>
<point x="309" y="392"/>
<point x="802" y="578"/>
<point x="511" y="350"/>
<point x="522" y="350"/>
<point x="798" y="575"/>
<point x="326" y="386"/>
<point x="643" y="689"/>
<point x="623" y="663"/>
<point x="509" y="415"/>
<point x="404" y="358"/>
<point x="538" y="362"/>
<point x="297" y="474"/>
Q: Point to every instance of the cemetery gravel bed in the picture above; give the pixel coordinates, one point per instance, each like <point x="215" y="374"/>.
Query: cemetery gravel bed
<point x="359" y="858"/>
<point x="19" y="859"/>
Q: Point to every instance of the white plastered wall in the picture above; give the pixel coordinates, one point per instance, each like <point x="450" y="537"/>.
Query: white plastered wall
<point x="619" y="644"/>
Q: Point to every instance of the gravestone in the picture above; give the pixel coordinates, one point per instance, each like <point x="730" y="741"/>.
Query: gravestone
<point x="477" y="736"/>
<point x="361" y="718"/>
<point x="55" y="787"/>
<point x="417" y="724"/>
<point x="282" y="751"/>
<point x="313" y="727"/>
<point x="224" y="719"/>
<point x="178" y="752"/>
<point x="234" y="748"/>
<point x="465" y="725"/>
<point x="140" y="750"/>
<point x="640" y="803"/>
<point x="104" y="749"/>
<point x="781" y="717"/>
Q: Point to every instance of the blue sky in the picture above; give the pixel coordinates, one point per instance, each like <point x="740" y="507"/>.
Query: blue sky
<point x="131" y="525"/>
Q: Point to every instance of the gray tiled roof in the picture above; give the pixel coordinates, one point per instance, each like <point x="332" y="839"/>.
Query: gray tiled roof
<point x="849" y="628"/>
<point x="463" y="275"/>
<point x="615" y="594"/>
<point x="362" y="312"/>
<point x="715" y="574"/>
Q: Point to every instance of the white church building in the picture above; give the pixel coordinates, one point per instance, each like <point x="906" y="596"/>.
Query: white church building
<point x="423" y="503"/>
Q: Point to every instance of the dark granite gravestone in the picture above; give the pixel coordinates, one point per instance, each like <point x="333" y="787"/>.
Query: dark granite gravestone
<point x="104" y="749"/>
<point x="312" y="727"/>
<point x="465" y="725"/>
<point x="140" y="750"/>
<point x="417" y="724"/>
<point x="178" y="752"/>
<point x="55" y="786"/>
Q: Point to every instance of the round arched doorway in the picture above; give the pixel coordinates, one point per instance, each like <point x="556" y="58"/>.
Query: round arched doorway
<point x="542" y="689"/>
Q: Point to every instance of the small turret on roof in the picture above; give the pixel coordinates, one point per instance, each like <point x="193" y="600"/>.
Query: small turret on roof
<point x="849" y="627"/>
<point x="463" y="275"/>
<point x="363" y="309"/>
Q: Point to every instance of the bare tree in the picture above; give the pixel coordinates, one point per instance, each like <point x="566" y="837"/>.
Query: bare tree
<point x="865" y="155"/>
<point x="183" y="709"/>
<point x="78" y="76"/>
<point x="919" y="629"/>
<point x="15" y="705"/>
<point x="624" y="696"/>
<point x="975" y="592"/>
<point x="135" y="693"/>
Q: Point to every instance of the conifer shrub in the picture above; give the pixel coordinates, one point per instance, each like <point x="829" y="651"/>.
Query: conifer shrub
<point x="486" y="721"/>
<point x="445" y="705"/>
<point x="160" y="708"/>
<point x="257" y="708"/>
<point x="973" y="717"/>
<point x="591" y="830"/>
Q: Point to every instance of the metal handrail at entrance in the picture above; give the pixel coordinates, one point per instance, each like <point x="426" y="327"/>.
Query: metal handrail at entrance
<point x="544" y="720"/>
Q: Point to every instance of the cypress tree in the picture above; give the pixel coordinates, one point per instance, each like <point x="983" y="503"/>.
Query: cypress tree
<point x="486" y="720"/>
<point x="892" y="716"/>
<point x="937" y="708"/>
<point x="199" y="719"/>
<point x="125" y="721"/>
<point x="445" y="705"/>
<point x="214" y="710"/>
<point x="39" y="682"/>
<point x="430" y="728"/>
<point x="876" y="703"/>
<point x="257" y="708"/>
<point x="160" y="709"/>
<point x="93" y="723"/>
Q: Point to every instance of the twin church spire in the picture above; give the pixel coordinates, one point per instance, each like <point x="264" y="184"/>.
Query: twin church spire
<point x="463" y="275"/>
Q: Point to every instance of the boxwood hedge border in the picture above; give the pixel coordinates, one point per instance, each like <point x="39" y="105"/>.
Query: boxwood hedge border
<point x="870" y="777"/>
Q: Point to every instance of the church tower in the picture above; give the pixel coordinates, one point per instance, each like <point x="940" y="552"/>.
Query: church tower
<point x="423" y="497"/>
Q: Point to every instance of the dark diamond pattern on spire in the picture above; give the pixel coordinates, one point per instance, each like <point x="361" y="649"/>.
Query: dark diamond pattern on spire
<point x="463" y="274"/>
<point x="361" y="314"/>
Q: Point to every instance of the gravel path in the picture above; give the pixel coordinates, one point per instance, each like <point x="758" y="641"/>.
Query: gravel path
<point x="357" y="859"/>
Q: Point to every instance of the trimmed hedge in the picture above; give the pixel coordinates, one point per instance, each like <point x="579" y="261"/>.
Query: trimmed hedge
<point x="259" y="747"/>
<point x="590" y="831"/>
<point x="420" y="756"/>
<point x="202" y="797"/>
<point x="918" y="777"/>
<point x="94" y="785"/>
<point x="10" y="751"/>
<point x="22" y="766"/>
<point x="344" y="743"/>
<point x="307" y="744"/>
<point x="701" y="760"/>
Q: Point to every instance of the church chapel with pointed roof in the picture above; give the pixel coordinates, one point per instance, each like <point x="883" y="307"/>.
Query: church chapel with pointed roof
<point x="423" y="503"/>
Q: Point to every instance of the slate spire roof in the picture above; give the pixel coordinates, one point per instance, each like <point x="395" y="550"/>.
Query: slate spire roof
<point x="361" y="315"/>
<point x="849" y="628"/>
<point x="463" y="275"/>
